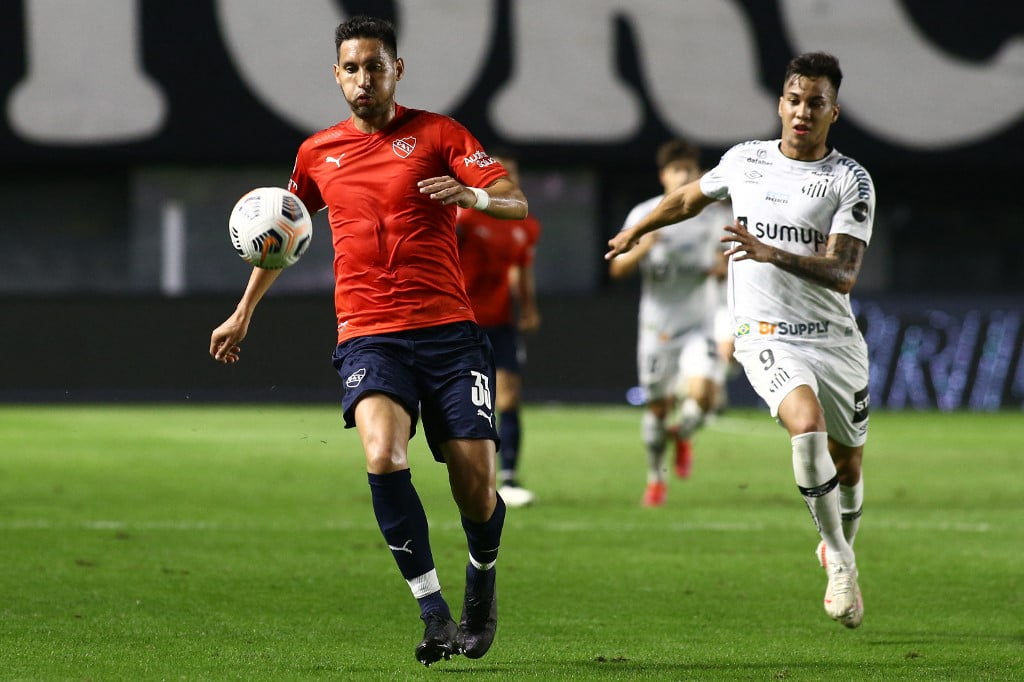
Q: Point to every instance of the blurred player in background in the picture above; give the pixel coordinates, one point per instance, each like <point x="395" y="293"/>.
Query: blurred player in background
<point x="804" y="215"/>
<point x="497" y="266"/>
<point x="408" y="346"/>
<point x="677" y="359"/>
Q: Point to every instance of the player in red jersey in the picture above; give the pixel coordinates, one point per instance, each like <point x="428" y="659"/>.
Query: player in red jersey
<point x="497" y="266"/>
<point x="392" y="179"/>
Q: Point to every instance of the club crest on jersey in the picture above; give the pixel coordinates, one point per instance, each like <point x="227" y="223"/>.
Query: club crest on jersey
<point x="816" y="188"/>
<point x="355" y="378"/>
<point x="403" y="147"/>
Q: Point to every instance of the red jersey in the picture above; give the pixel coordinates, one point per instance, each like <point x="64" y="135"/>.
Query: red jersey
<point x="396" y="263"/>
<point x="488" y="247"/>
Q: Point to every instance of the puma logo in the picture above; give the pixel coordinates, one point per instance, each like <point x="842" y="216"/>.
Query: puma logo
<point x="488" y="417"/>
<point x="335" y="160"/>
<point x="403" y="548"/>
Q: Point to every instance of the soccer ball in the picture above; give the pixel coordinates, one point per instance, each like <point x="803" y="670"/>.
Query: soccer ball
<point x="270" y="228"/>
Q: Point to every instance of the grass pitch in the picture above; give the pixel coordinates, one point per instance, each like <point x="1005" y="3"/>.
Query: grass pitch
<point x="238" y="543"/>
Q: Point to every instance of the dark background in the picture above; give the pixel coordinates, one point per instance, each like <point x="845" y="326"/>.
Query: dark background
<point x="86" y="315"/>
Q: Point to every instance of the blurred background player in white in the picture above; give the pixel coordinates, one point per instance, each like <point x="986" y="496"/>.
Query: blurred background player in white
<point x="804" y="215"/>
<point x="677" y="358"/>
<point x="497" y="267"/>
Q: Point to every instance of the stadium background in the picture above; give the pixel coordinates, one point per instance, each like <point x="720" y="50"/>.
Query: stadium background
<point x="130" y="127"/>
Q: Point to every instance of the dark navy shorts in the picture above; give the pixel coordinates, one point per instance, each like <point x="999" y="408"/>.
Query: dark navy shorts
<point x="443" y="374"/>
<point x="505" y="341"/>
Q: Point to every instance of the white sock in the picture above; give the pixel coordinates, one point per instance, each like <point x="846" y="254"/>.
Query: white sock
<point x="654" y="439"/>
<point x="851" y="502"/>
<point x="691" y="417"/>
<point x="815" y="476"/>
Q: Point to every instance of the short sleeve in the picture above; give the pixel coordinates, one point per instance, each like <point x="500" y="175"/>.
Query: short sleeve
<point x="467" y="160"/>
<point x="715" y="183"/>
<point x="855" y="211"/>
<point x="301" y="185"/>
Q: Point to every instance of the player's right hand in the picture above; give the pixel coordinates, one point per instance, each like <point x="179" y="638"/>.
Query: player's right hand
<point x="225" y="339"/>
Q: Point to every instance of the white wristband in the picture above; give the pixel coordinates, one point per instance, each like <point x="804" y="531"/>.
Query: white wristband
<point x="483" y="199"/>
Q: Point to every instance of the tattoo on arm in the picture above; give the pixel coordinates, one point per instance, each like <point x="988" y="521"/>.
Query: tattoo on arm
<point x="836" y="270"/>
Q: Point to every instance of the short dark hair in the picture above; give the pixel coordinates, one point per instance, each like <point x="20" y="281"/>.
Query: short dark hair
<point x="815" y="65"/>
<point x="363" y="26"/>
<point x="676" y="149"/>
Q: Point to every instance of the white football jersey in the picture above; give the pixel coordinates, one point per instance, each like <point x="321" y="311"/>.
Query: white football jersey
<point x="677" y="295"/>
<point x="794" y="206"/>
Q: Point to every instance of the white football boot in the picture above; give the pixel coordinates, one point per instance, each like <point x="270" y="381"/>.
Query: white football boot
<point x="515" y="495"/>
<point x="843" y="600"/>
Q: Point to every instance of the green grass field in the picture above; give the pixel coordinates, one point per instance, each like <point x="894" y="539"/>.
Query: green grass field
<point x="237" y="543"/>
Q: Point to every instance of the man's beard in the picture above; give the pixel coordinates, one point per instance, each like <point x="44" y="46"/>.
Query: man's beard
<point x="367" y="111"/>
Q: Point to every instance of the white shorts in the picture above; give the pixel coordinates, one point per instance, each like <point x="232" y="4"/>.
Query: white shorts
<point x="837" y="375"/>
<point x="664" y="366"/>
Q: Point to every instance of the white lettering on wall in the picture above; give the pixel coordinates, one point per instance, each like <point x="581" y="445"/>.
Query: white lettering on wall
<point x="285" y="56"/>
<point x="899" y="87"/>
<point x="702" y="69"/>
<point x="563" y="86"/>
<point x="84" y="84"/>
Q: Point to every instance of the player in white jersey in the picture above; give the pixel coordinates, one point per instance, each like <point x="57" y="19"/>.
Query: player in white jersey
<point x="804" y="215"/>
<point x="677" y="361"/>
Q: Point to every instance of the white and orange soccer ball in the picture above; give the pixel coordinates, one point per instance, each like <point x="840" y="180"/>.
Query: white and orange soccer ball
<point x="270" y="228"/>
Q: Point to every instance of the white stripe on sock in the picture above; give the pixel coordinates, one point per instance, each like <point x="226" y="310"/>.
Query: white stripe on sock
<point x="481" y="567"/>
<point x="425" y="584"/>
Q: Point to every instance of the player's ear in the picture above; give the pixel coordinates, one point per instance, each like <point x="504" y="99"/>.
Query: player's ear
<point x="399" y="68"/>
<point x="835" y="112"/>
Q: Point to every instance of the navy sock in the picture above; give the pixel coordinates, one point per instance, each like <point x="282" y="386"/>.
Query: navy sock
<point x="478" y="581"/>
<point x="433" y="603"/>
<point x="509" y="432"/>
<point x="403" y="523"/>
<point x="483" y="540"/>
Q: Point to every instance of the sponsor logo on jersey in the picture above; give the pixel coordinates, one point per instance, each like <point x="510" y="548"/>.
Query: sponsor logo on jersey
<point x="752" y="176"/>
<point x="863" y="179"/>
<point x="861" y="403"/>
<point x="777" y="198"/>
<point x="404" y="146"/>
<point x="480" y="158"/>
<point x="812" y="328"/>
<point x="355" y="378"/>
<point x="759" y="159"/>
<point x="788" y="233"/>
<point x="860" y="211"/>
<point x="815" y="188"/>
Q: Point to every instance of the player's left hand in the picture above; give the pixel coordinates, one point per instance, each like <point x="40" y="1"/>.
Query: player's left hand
<point x="745" y="246"/>
<point x="447" y="190"/>
<point x="529" y="319"/>
<point x="621" y="243"/>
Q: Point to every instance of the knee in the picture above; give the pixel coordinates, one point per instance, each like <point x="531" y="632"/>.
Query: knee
<point x="848" y="465"/>
<point x="809" y="424"/>
<point x="479" y="506"/>
<point x="383" y="458"/>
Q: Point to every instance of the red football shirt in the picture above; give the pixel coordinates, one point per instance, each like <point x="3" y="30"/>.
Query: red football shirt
<point x="488" y="247"/>
<point x="396" y="263"/>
